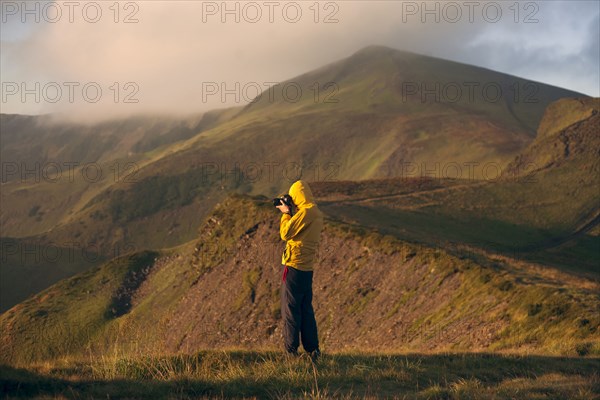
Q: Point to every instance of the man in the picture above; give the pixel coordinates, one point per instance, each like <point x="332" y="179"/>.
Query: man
<point x="301" y="225"/>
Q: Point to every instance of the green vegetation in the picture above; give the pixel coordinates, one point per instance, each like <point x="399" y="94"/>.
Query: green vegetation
<point x="28" y="266"/>
<point x="362" y="297"/>
<point x="544" y="214"/>
<point x="166" y="192"/>
<point x="64" y="318"/>
<point x="248" y="292"/>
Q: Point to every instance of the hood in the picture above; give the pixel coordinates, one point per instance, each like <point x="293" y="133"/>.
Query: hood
<point x="301" y="194"/>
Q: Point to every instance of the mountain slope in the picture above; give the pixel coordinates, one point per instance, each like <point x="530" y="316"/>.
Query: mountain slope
<point x="51" y="168"/>
<point x="369" y="126"/>
<point x="567" y="136"/>
<point x="544" y="207"/>
<point x="371" y="292"/>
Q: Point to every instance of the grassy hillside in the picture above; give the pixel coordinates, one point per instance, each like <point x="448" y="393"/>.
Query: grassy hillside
<point x="28" y="267"/>
<point x="46" y="139"/>
<point x="52" y="169"/>
<point x="544" y="208"/>
<point x="372" y="292"/>
<point x="370" y="127"/>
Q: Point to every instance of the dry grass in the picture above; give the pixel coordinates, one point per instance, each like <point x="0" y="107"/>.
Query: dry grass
<point x="270" y="374"/>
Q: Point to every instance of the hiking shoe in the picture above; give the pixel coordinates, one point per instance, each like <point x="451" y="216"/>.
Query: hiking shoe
<point x="315" y="355"/>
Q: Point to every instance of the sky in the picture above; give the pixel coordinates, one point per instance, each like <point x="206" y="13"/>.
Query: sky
<point x="105" y="59"/>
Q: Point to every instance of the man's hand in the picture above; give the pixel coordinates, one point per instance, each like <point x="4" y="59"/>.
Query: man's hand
<point x="284" y="209"/>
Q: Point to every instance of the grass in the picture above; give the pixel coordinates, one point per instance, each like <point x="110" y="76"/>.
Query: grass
<point x="536" y="221"/>
<point x="270" y="374"/>
<point x="28" y="267"/>
<point x="47" y="325"/>
<point x="248" y="291"/>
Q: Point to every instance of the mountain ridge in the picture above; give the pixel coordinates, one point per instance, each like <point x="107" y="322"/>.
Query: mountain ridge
<point x="222" y="290"/>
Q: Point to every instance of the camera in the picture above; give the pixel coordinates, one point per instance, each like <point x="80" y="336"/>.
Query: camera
<point x="286" y="199"/>
<point x="283" y="200"/>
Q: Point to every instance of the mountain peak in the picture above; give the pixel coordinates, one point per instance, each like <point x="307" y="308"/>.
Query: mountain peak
<point x="375" y="48"/>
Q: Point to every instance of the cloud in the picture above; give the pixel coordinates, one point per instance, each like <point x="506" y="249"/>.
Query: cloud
<point x="163" y="59"/>
<point x="560" y="49"/>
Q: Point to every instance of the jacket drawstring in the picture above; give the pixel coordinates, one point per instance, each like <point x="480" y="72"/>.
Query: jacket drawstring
<point x="285" y="271"/>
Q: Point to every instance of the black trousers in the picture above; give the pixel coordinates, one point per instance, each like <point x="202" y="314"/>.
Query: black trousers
<point x="297" y="311"/>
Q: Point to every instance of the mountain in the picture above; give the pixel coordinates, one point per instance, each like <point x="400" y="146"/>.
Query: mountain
<point x="152" y="180"/>
<point x="544" y="206"/>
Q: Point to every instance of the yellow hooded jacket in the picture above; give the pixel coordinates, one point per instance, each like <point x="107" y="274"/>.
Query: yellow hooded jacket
<point x="301" y="232"/>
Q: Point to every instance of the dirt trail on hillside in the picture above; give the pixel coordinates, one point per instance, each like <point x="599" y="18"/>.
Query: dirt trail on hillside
<point x="403" y="195"/>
